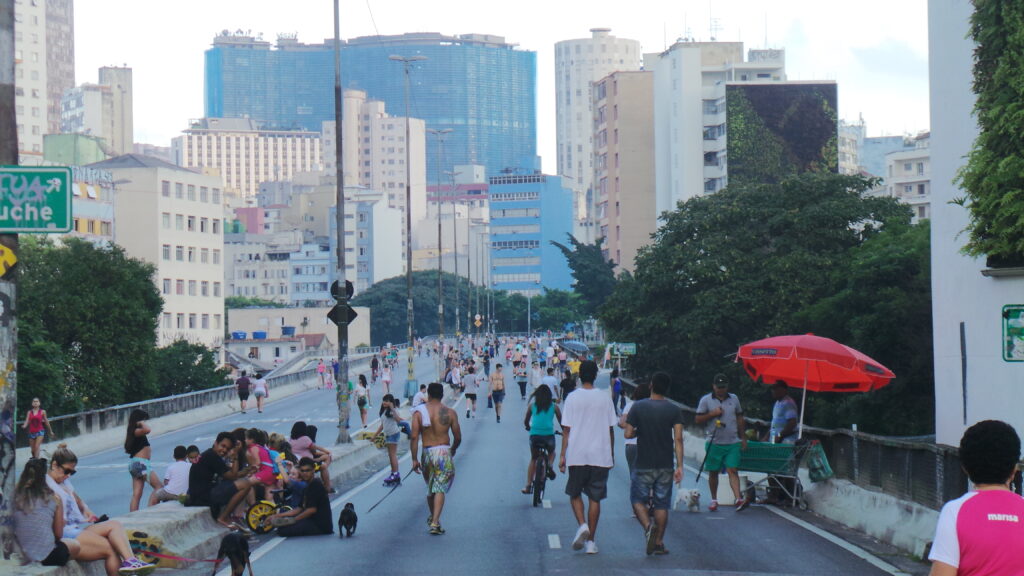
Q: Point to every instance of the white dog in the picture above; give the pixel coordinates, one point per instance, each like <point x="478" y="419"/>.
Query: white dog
<point x="690" y="498"/>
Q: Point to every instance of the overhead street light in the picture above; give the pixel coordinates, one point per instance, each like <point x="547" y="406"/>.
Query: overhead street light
<point x="440" y="134"/>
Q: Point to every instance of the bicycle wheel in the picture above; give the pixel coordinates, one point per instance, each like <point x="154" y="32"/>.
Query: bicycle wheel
<point x="256" y="514"/>
<point x="539" y="478"/>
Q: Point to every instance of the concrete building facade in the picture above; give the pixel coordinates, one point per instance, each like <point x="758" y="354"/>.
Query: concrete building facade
<point x="172" y="218"/>
<point x="244" y="154"/>
<point x="979" y="353"/>
<point x="304" y="321"/>
<point x="908" y="176"/>
<point x="102" y="110"/>
<point x="579" y="63"/>
<point x="851" y="146"/>
<point x="624" y="164"/>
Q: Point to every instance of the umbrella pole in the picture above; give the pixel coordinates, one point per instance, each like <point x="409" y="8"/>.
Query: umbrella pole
<point x="803" y="404"/>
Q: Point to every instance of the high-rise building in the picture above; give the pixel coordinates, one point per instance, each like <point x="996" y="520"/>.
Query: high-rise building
<point x="690" y="109"/>
<point x="102" y="110"/>
<point x="875" y="151"/>
<point x="245" y="155"/>
<point x="908" y="176"/>
<point x="851" y="146"/>
<point x="624" y="164"/>
<point x="44" y="59"/>
<point x="172" y="217"/>
<point x="478" y="85"/>
<point x="528" y="211"/>
<point x="578" y="65"/>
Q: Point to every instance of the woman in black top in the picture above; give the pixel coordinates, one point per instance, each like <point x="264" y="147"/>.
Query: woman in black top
<point x="136" y="444"/>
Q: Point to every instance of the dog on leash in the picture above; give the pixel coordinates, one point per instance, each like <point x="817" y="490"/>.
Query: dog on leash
<point x="235" y="548"/>
<point x="347" y="521"/>
<point x="689" y="498"/>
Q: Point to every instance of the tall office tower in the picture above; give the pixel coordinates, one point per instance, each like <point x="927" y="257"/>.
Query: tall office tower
<point x="102" y="110"/>
<point x="851" y="145"/>
<point x="44" y="57"/>
<point x="374" y="149"/>
<point x="689" y="112"/>
<point x="578" y="64"/>
<point x="244" y="154"/>
<point x="479" y="86"/>
<point x="624" y="164"/>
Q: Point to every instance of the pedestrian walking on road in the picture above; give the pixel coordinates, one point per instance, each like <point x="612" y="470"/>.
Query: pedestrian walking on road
<point x="390" y="427"/>
<point x="242" y="387"/>
<point x="657" y="425"/>
<point x="374" y="369"/>
<point x="979" y="533"/>
<point x="385" y="379"/>
<point x="496" y="391"/>
<point x="438" y="453"/>
<point x="641" y="392"/>
<point x="35" y="421"/>
<point x="722" y="415"/>
<point x="261" y="390"/>
<point x="136" y="444"/>
<point x="321" y="369"/>
<point x="588" y="451"/>
<point x="471" y="384"/>
<point x="521" y="377"/>
<point x="362" y="394"/>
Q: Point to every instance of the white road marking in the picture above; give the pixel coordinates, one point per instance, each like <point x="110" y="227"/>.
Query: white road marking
<point x="546" y="503"/>
<point x="554" y="542"/>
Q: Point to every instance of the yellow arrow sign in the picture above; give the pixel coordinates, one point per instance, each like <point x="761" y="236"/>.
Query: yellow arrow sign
<point x="7" y="260"/>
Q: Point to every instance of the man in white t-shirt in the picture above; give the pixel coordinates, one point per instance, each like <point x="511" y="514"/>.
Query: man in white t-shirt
<point x="175" y="479"/>
<point x="420" y="397"/>
<point x="588" y="421"/>
<point x="550" y="381"/>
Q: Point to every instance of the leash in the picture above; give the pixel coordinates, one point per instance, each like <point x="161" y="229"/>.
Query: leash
<point x="215" y="561"/>
<point x="390" y="492"/>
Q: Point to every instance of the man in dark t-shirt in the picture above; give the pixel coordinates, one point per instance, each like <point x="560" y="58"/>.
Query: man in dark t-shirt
<point x="657" y="424"/>
<point x="211" y="482"/>
<point x="242" y="386"/>
<point x="313" y="517"/>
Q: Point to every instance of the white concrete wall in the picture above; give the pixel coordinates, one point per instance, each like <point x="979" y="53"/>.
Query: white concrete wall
<point x="678" y="126"/>
<point x="959" y="292"/>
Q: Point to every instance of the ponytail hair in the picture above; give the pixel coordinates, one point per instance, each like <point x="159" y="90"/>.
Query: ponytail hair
<point x="137" y="415"/>
<point x="32" y="488"/>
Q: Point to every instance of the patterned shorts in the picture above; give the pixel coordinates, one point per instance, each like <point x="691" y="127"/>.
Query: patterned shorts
<point x="438" y="469"/>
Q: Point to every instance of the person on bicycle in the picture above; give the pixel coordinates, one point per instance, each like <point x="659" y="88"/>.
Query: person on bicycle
<point x="540" y="423"/>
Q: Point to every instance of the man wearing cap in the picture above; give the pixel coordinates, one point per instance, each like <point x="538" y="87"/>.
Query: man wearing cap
<point x="722" y="415"/>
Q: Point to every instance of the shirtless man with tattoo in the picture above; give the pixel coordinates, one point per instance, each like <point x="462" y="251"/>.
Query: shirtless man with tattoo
<point x="438" y="450"/>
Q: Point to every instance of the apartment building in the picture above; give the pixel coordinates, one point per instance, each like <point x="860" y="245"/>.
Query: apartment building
<point x="173" y="218"/>
<point x="908" y="175"/>
<point x="102" y="110"/>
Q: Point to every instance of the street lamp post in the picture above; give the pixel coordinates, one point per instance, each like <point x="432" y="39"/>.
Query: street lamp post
<point x="410" y="383"/>
<point x="342" y="397"/>
<point x="440" y="259"/>
<point x="455" y="252"/>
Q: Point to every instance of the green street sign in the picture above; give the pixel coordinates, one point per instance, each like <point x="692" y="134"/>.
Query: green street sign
<point x="626" y="348"/>
<point x="35" y="199"/>
<point x="1013" y="333"/>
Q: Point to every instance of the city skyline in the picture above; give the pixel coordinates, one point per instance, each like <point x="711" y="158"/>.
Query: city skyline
<point x="880" y="64"/>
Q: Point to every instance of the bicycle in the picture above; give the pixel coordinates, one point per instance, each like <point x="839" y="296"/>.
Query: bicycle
<point x="261" y="510"/>
<point x="541" y="473"/>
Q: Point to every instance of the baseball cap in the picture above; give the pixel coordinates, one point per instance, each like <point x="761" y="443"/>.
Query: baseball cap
<point x="721" y="381"/>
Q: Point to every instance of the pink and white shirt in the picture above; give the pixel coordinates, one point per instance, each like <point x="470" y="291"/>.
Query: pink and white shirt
<point x="981" y="533"/>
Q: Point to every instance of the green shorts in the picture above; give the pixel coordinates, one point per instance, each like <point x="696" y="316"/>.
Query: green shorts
<point x="722" y="455"/>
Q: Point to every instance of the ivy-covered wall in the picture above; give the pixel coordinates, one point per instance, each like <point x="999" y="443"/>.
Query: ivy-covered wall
<point x="778" y="130"/>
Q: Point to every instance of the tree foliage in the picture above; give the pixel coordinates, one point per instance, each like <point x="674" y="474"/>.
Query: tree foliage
<point x="594" y="276"/>
<point x="247" y="301"/>
<point x="186" y="367"/>
<point x="761" y="260"/>
<point x="993" y="177"/>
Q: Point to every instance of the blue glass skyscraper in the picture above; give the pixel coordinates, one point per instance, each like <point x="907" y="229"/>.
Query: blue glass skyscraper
<point x="479" y="86"/>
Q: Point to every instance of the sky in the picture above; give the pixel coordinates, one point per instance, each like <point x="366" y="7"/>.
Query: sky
<point x="876" y="50"/>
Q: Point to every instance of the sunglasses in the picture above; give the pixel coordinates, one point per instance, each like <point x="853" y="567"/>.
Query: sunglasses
<point x="67" y="472"/>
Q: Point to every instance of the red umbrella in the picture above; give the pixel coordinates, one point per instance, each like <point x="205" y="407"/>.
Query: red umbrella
<point x="812" y="363"/>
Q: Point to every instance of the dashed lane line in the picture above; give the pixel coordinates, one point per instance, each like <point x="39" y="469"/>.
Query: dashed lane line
<point x="554" y="542"/>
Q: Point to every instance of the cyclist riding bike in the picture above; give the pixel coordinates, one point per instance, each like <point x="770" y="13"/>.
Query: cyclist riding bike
<point x="540" y="423"/>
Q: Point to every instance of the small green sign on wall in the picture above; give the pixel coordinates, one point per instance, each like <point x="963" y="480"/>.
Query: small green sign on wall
<point x="1013" y="333"/>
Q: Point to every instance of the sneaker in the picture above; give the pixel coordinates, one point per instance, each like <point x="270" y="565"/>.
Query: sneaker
<point x="713" y="505"/>
<point x="660" y="550"/>
<point x="582" y="535"/>
<point x="467" y="413"/>
<point x="742" y="504"/>
<point x="436" y="529"/>
<point x="430" y="520"/>
<point x="649" y="538"/>
<point x="499" y="419"/>
<point x="551" y="473"/>
<point x="591" y="547"/>
<point x="135" y="566"/>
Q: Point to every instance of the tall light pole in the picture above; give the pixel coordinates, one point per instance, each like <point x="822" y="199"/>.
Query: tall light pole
<point x="410" y="383"/>
<point x="455" y="252"/>
<point x="341" y="294"/>
<point x="440" y="259"/>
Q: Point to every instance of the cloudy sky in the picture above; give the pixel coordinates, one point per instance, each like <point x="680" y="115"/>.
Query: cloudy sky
<point x="877" y="50"/>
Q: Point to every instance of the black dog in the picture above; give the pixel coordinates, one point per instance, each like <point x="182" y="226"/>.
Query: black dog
<point x="234" y="547"/>
<point x="347" y="521"/>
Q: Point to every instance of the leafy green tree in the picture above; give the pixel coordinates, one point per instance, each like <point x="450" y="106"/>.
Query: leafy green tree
<point x="186" y="367"/>
<point x="247" y="301"/>
<point x="993" y="177"/>
<point x="387" y="303"/>
<point x="594" y="276"/>
<point x="99" y="308"/>
<point x="739" y="265"/>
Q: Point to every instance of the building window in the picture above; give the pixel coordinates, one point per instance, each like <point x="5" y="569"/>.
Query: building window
<point x="179" y="189"/>
<point x="166" y="251"/>
<point x="191" y="253"/>
<point x="192" y="192"/>
<point x="216" y="289"/>
<point x="205" y="324"/>
<point x="191" y="287"/>
<point x="191" y="321"/>
<point x="167" y="320"/>
<point x="908" y="189"/>
<point x="179" y="253"/>
<point x="179" y="222"/>
<point x="179" y="287"/>
<point x="165" y="189"/>
<point x="204" y="288"/>
<point x="920" y="189"/>
<point x="191" y="223"/>
<point x="167" y="286"/>
<point x="181" y="321"/>
<point x="920" y="168"/>
<point x="216" y="226"/>
<point x="216" y="256"/>
<point x="165" y="221"/>
<point x="216" y="321"/>
<point x="215" y="196"/>
<point x="204" y="256"/>
<point x="204" y="194"/>
<point x="907" y="167"/>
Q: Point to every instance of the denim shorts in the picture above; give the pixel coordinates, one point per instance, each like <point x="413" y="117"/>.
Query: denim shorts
<point x="498" y="396"/>
<point x="392" y="438"/>
<point x="653" y="483"/>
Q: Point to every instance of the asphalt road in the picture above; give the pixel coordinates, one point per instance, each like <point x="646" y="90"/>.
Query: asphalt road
<point x="493" y="529"/>
<point x="102" y="479"/>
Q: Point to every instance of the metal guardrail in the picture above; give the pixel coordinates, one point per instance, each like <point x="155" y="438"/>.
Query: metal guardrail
<point x="910" y="469"/>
